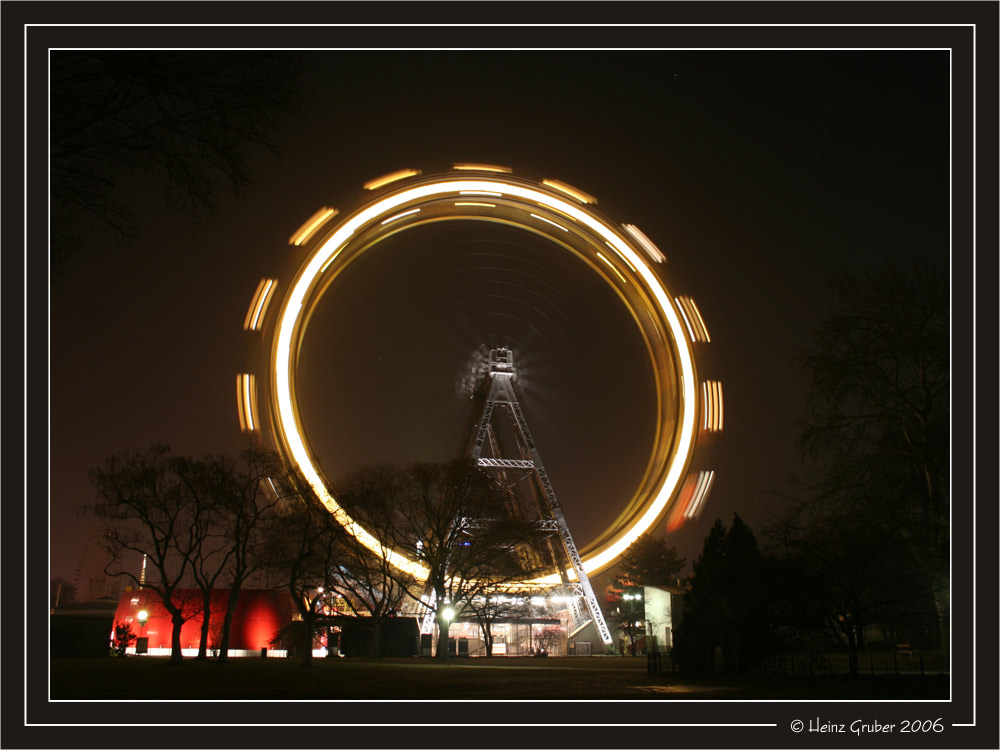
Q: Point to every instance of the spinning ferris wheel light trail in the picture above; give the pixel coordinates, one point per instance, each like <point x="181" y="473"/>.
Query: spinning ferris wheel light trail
<point x="622" y="255"/>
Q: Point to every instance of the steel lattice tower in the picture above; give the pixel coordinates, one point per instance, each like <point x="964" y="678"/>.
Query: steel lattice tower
<point x="499" y="426"/>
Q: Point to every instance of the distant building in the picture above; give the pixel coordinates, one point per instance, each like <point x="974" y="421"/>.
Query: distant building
<point x="84" y="629"/>
<point x="658" y="612"/>
<point x="664" y="610"/>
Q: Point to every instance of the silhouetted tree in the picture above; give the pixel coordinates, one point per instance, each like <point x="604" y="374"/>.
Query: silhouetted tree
<point x="877" y="434"/>
<point x="731" y="599"/>
<point x="456" y="521"/>
<point x="150" y="510"/>
<point x="372" y="588"/>
<point x="648" y="561"/>
<point x="247" y="494"/>
<point x="491" y="606"/>
<point x="842" y="572"/>
<point x="210" y="557"/>
<point x="123" y="638"/>
<point x="188" y="119"/>
<point x="303" y="553"/>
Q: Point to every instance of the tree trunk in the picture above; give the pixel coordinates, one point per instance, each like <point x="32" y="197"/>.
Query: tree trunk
<point x="206" y="620"/>
<point x="377" y="640"/>
<point x="176" y="657"/>
<point x="488" y="638"/>
<point x="852" y="655"/>
<point x="227" y="623"/>
<point x="942" y="606"/>
<point x="442" y="650"/>
<point x="309" y="625"/>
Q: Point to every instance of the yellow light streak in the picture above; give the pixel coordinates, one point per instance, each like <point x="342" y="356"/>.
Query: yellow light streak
<point x="718" y="404"/>
<point x="250" y="395"/>
<point x="645" y="243"/>
<point x="473" y="203"/>
<point x="482" y="167"/>
<point x="711" y="393"/>
<point x="287" y="421"/>
<point x="400" y="216"/>
<point x="332" y="258"/>
<point x="239" y="403"/>
<point x="261" y="299"/>
<point x="630" y="266"/>
<point x="254" y="302"/>
<point x="560" y="226"/>
<point x="706" y="406"/>
<point x="612" y="267"/>
<point x="313" y="223"/>
<point x="386" y="179"/>
<point x="557" y="211"/>
<point x="693" y="306"/>
<point x="695" y="322"/>
<point x="571" y="191"/>
<point x="480" y="192"/>
<point x="686" y="321"/>
<point x="246" y="395"/>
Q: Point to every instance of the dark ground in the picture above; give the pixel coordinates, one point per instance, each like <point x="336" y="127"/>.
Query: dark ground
<point x="594" y="678"/>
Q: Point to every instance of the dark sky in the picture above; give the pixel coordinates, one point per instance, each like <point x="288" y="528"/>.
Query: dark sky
<point x="757" y="173"/>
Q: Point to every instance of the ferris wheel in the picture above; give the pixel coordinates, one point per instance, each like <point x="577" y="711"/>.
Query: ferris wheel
<point x="622" y="256"/>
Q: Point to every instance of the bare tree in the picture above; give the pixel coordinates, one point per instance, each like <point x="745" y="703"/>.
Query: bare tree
<point x="494" y="605"/>
<point x="188" y="119"/>
<point x="303" y="552"/>
<point x="150" y="510"/>
<point x="210" y="558"/>
<point x="248" y="494"/>
<point x="367" y="580"/>
<point x="844" y="571"/>
<point x="456" y="521"/>
<point x="877" y="430"/>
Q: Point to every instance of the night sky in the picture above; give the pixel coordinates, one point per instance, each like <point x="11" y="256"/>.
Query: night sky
<point x="758" y="174"/>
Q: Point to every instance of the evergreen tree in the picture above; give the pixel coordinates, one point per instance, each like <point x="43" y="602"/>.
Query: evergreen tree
<point x="650" y="562"/>
<point x="731" y="603"/>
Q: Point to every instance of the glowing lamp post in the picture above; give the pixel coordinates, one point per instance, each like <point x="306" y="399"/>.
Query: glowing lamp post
<point x="142" y="643"/>
<point x="447" y="614"/>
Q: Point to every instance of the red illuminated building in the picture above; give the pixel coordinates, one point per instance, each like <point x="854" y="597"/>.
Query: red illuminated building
<point x="259" y="615"/>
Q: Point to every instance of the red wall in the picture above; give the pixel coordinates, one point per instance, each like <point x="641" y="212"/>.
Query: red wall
<point x="258" y="616"/>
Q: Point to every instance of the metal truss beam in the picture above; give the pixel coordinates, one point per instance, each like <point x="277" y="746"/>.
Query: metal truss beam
<point x="506" y="463"/>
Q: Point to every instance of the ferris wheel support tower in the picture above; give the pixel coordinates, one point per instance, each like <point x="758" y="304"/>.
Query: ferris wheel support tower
<point x="525" y="460"/>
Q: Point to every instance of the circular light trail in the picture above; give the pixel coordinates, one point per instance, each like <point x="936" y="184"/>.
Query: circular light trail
<point x="569" y="223"/>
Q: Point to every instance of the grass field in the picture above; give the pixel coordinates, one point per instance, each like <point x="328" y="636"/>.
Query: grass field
<point x="594" y="678"/>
